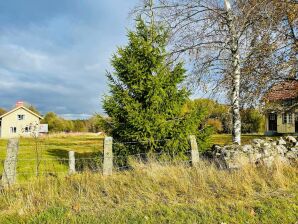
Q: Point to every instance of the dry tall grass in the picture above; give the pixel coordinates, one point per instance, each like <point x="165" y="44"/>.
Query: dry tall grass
<point x="155" y="193"/>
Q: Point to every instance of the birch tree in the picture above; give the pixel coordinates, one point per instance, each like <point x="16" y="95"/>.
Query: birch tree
<point x="234" y="47"/>
<point x="233" y="42"/>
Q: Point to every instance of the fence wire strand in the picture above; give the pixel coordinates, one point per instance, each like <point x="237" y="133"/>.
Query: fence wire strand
<point x="56" y="166"/>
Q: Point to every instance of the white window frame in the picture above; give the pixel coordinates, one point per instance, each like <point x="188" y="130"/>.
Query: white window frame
<point x="287" y="118"/>
<point x="27" y="129"/>
<point x="272" y="117"/>
<point x="21" y="117"/>
<point x="13" y="130"/>
<point x="290" y="118"/>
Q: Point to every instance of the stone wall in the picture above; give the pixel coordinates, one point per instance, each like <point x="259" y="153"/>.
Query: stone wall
<point x="259" y="152"/>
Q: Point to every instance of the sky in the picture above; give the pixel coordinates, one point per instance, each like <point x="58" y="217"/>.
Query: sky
<point x="54" y="54"/>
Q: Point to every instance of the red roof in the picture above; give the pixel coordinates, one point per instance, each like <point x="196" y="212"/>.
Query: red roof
<point x="283" y="91"/>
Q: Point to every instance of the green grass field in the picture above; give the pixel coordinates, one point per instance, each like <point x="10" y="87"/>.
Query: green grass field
<point x="155" y="193"/>
<point x="53" y="152"/>
<point x="150" y="193"/>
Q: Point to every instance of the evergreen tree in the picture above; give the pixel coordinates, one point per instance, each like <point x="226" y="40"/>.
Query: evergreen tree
<point x="146" y="101"/>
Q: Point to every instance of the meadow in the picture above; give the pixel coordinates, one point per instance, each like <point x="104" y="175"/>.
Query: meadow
<point x="52" y="152"/>
<point x="154" y="193"/>
<point x="149" y="193"/>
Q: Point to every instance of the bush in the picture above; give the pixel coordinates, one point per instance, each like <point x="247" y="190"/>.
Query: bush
<point x="252" y="121"/>
<point x="216" y="124"/>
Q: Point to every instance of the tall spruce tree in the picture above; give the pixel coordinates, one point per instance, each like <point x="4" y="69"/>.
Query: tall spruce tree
<point x="146" y="101"/>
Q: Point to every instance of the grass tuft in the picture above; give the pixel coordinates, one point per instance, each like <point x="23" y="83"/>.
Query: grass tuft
<point x="156" y="193"/>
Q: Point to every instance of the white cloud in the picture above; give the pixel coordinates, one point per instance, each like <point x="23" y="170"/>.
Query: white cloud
<point x="57" y="60"/>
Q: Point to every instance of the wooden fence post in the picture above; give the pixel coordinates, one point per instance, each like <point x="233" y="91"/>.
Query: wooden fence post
<point x="10" y="163"/>
<point x="72" y="162"/>
<point x="195" y="157"/>
<point x="108" y="156"/>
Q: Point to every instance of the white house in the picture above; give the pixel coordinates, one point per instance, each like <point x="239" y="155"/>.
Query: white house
<point x="20" y="121"/>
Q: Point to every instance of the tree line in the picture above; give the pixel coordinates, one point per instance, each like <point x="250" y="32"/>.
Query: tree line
<point x="217" y="116"/>
<point x="58" y="124"/>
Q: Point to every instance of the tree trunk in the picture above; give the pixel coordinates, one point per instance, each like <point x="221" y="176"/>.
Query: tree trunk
<point x="294" y="49"/>
<point x="236" y="131"/>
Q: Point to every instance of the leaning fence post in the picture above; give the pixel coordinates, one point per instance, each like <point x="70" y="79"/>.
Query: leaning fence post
<point x="195" y="157"/>
<point x="10" y="163"/>
<point x="108" y="156"/>
<point x="71" y="162"/>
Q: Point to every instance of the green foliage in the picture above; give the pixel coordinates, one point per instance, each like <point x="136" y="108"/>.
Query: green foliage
<point x="146" y="104"/>
<point x="216" y="124"/>
<point x="98" y="123"/>
<point x="34" y="109"/>
<point x="2" y="111"/>
<point x="252" y="121"/>
<point x="56" y="123"/>
<point x="217" y="115"/>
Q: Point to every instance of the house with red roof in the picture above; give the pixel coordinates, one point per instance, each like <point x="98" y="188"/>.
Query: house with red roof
<point x="281" y="108"/>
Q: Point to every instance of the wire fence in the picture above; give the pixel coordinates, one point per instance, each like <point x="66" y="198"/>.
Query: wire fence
<point x="45" y="159"/>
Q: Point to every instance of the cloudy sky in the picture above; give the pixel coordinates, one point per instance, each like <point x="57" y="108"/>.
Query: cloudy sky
<point x="54" y="53"/>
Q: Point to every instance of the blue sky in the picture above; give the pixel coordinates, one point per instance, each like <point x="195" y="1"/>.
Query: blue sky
<point x="54" y="53"/>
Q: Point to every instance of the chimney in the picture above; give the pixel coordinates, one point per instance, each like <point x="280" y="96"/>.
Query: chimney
<point x="19" y="104"/>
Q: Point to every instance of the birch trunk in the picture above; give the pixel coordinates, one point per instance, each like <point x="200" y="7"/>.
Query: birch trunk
<point x="236" y="130"/>
<point x="294" y="49"/>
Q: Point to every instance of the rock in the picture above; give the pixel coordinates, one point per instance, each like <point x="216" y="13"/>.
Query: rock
<point x="291" y="139"/>
<point x="281" y="149"/>
<point x="281" y="141"/>
<point x="266" y="144"/>
<point x="258" y="141"/>
<point x="247" y="148"/>
<point x="254" y="158"/>
<point x="291" y="155"/>
<point x="259" y="152"/>
<point x="268" y="161"/>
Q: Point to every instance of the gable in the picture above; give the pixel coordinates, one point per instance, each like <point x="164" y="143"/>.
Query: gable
<point x="23" y="110"/>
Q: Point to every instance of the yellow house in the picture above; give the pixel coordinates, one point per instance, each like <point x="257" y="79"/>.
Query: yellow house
<point x="19" y="122"/>
<point x="282" y="108"/>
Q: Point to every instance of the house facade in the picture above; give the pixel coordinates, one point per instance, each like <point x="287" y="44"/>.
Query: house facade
<point x="281" y="108"/>
<point x="20" y="121"/>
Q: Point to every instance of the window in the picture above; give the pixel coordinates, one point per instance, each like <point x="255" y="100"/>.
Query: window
<point x="284" y="118"/>
<point x="21" y="117"/>
<point x="272" y="117"/>
<point x="287" y="118"/>
<point x="288" y="102"/>
<point x="27" y="129"/>
<point x="290" y="120"/>
<point x="13" y="130"/>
